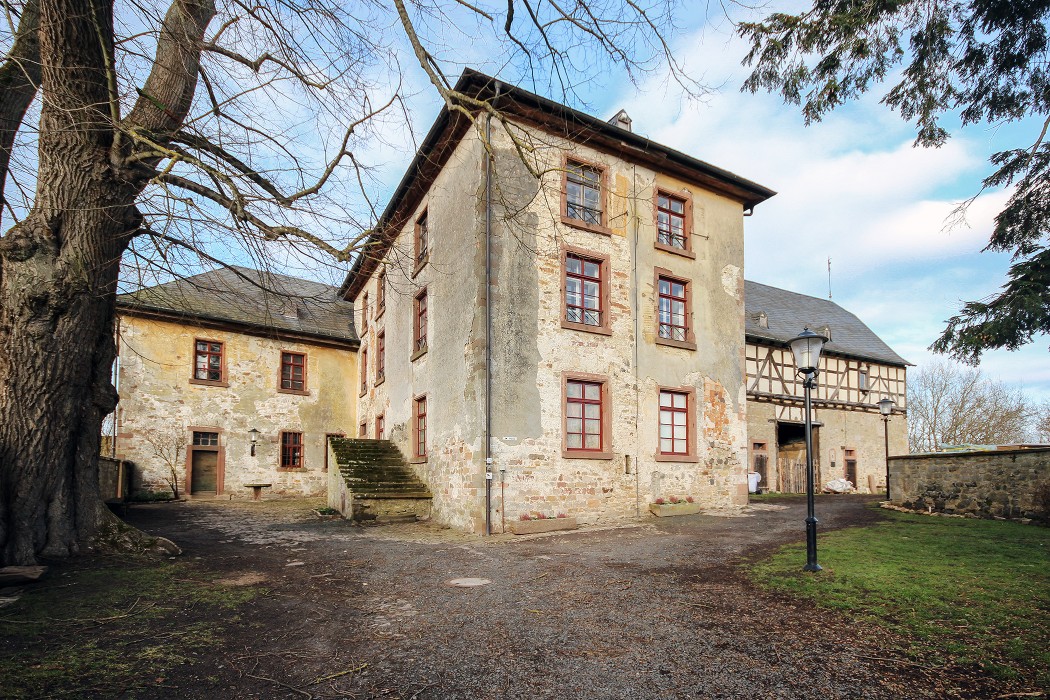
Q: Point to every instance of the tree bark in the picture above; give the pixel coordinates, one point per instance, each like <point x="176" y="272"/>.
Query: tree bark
<point x="58" y="274"/>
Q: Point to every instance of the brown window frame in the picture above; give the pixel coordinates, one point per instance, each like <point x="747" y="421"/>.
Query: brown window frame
<point x="222" y="381"/>
<point x="364" y="371"/>
<point x="380" y="426"/>
<point x="419" y="324"/>
<point x="380" y="293"/>
<point x="687" y="221"/>
<point x="364" y="311"/>
<point x="362" y="430"/>
<point x="690" y="336"/>
<point x="380" y="357"/>
<point x="419" y="429"/>
<point x="605" y="283"/>
<point x="603" y="195"/>
<point x="281" y="379"/>
<point x="605" y="451"/>
<point x="690" y="454"/>
<point x="288" y="448"/>
<point x="421" y="241"/>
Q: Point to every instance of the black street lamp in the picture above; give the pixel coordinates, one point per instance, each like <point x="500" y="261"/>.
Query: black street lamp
<point x="886" y="408"/>
<point x="806" y="348"/>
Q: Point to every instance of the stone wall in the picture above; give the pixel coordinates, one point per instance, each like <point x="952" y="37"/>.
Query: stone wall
<point x="840" y="430"/>
<point x="1002" y="483"/>
<point x="158" y="401"/>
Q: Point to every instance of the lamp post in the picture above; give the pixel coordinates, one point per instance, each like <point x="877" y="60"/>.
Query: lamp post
<point x="886" y="408"/>
<point x="253" y="435"/>
<point x="806" y="348"/>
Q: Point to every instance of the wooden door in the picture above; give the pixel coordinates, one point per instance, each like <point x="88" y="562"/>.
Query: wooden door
<point x="850" y="458"/>
<point x="204" y="472"/>
<point x="760" y="462"/>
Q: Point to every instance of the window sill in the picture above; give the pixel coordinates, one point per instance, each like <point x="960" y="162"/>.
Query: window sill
<point x="363" y="392"/>
<point x="380" y="379"/>
<point x="419" y="353"/>
<point x="586" y="328"/>
<point x="296" y="392"/>
<point x="585" y="454"/>
<point x="207" y="382"/>
<point x="685" y="253"/>
<point x="420" y="265"/>
<point x="290" y="469"/>
<point x="684" y="344"/>
<point x="584" y="226"/>
<point x="683" y="459"/>
<point x="418" y="460"/>
<point x="379" y="313"/>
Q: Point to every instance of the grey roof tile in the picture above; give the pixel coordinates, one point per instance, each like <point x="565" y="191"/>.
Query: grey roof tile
<point x="254" y="298"/>
<point x="787" y="313"/>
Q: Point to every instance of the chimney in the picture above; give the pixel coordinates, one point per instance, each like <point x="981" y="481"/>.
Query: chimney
<point x="621" y="120"/>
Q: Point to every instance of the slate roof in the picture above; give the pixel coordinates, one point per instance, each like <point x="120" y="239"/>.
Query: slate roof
<point x="787" y="313"/>
<point x="253" y="299"/>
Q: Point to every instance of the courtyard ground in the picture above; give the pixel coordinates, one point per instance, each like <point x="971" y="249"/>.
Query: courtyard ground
<point x="655" y="609"/>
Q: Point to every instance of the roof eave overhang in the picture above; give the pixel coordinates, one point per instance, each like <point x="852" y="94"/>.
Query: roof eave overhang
<point x="253" y="329"/>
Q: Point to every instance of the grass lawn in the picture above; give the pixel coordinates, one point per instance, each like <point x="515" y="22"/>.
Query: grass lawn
<point x="960" y="591"/>
<point x="104" y="628"/>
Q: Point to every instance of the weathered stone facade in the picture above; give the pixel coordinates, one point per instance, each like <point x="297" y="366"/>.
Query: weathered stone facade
<point x="162" y="403"/>
<point x="987" y="483"/>
<point x="533" y="353"/>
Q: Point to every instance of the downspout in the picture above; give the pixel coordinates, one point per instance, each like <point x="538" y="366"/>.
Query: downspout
<point x="637" y="341"/>
<point x="488" y="319"/>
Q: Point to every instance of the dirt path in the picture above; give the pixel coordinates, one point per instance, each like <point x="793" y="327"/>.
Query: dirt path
<point x="655" y="610"/>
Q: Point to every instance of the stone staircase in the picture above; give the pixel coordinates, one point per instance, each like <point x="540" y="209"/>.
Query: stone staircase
<point x="372" y="481"/>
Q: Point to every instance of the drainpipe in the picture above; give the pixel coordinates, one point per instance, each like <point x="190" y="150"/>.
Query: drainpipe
<point x="636" y="312"/>
<point x="488" y="320"/>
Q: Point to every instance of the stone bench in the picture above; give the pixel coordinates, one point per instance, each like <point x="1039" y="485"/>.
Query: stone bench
<point x="257" y="490"/>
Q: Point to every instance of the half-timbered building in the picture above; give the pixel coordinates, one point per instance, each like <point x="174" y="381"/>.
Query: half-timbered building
<point x="857" y="370"/>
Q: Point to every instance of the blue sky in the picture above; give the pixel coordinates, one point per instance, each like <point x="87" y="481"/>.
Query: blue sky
<point x="851" y="188"/>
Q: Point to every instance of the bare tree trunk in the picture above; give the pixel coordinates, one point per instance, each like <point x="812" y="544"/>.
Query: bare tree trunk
<point x="59" y="276"/>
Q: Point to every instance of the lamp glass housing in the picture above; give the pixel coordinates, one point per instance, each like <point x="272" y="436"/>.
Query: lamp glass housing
<point x="886" y="406"/>
<point x="806" y="347"/>
<point x="253" y="435"/>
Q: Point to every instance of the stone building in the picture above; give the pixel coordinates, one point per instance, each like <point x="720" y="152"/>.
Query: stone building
<point x="857" y="370"/>
<point x="572" y="344"/>
<point x="202" y="362"/>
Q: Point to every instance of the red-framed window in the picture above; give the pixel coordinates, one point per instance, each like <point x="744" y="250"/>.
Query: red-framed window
<point x="293" y="371"/>
<point x="420" y="437"/>
<point x="362" y="430"/>
<point x="674" y="423"/>
<point x="364" y="371"/>
<point x="291" y="450"/>
<point x="422" y="234"/>
<point x="364" y="311"/>
<point x="583" y="290"/>
<point x="673" y="309"/>
<point x="380" y="357"/>
<point x="583" y="193"/>
<point x="381" y="292"/>
<point x="208" y="360"/>
<point x="419" y="323"/>
<point x="380" y="426"/>
<point x="671" y="227"/>
<point x="583" y="416"/>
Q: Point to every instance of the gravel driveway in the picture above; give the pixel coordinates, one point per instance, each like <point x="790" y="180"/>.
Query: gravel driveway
<point x="654" y="609"/>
